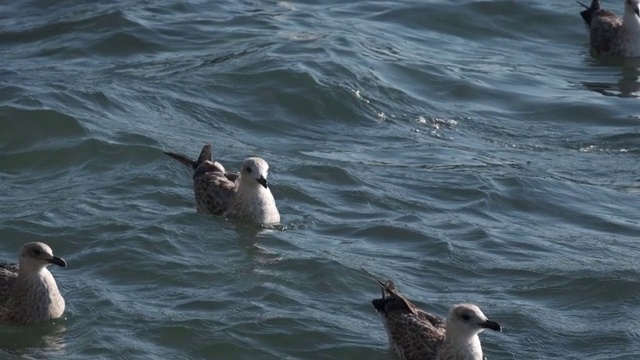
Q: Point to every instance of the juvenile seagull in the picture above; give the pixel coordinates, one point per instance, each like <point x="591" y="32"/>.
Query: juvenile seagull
<point x="243" y="195"/>
<point x="417" y="335"/>
<point x="611" y="35"/>
<point x="28" y="292"/>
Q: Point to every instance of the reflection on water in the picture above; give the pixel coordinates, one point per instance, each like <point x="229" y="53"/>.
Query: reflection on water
<point x="249" y="237"/>
<point x="627" y="85"/>
<point x="36" y="342"/>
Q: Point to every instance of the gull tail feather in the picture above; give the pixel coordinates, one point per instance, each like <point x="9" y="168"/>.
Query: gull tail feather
<point x="382" y="285"/>
<point x="587" y="14"/>
<point x="388" y="292"/>
<point x="205" y="155"/>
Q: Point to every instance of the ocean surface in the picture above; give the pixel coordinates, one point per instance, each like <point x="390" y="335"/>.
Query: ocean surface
<point x="473" y="151"/>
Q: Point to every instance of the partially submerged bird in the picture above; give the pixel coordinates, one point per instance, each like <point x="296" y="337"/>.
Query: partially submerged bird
<point x="611" y="35"/>
<point x="417" y="335"/>
<point x="243" y="195"/>
<point x="28" y="292"/>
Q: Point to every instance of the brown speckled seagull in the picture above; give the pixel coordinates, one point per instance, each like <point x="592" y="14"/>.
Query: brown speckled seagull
<point x="611" y="35"/>
<point x="415" y="334"/>
<point x="244" y="195"/>
<point x="28" y="292"/>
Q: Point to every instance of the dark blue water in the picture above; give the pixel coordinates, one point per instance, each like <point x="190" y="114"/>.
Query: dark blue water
<point x="472" y="151"/>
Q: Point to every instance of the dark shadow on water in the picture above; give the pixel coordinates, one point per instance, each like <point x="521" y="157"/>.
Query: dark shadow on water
<point x="627" y="86"/>
<point x="45" y="341"/>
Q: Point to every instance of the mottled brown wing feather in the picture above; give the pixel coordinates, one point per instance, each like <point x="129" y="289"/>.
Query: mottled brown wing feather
<point x="213" y="187"/>
<point x="604" y="28"/>
<point x="213" y="192"/>
<point x="412" y="338"/>
<point x="232" y="176"/>
<point x="8" y="275"/>
<point x="413" y="333"/>
<point x="435" y="320"/>
<point x="208" y="167"/>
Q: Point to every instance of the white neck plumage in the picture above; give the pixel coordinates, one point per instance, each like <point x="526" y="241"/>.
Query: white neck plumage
<point x="631" y="19"/>
<point x="470" y="345"/>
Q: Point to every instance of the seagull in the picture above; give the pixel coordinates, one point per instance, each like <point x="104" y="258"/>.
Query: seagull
<point x="415" y="334"/>
<point x="611" y="35"/>
<point x="28" y="292"/>
<point x="244" y="195"/>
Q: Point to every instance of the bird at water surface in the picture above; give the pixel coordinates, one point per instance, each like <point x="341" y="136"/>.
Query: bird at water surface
<point x="243" y="195"/>
<point x="28" y="292"/>
<point x="415" y="334"/>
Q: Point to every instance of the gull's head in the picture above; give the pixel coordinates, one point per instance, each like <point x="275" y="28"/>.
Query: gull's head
<point x="468" y="319"/>
<point x="255" y="168"/>
<point x="632" y="7"/>
<point x="37" y="255"/>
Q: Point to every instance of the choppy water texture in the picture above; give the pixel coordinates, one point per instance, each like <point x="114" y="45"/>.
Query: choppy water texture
<point x="472" y="151"/>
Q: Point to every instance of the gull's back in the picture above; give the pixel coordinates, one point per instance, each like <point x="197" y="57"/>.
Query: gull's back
<point x="604" y="29"/>
<point x="413" y="333"/>
<point x="214" y="189"/>
<point x="8" y="276"/>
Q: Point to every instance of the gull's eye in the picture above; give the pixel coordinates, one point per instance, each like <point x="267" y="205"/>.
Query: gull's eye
<point x="37" y="251"/>
<point x="249" y="170"/>
<point x="466" y="317"/>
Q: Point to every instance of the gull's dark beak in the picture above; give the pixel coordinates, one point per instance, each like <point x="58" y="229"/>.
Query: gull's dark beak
<point x="262" y="181"/>
<point x="491" y="325"/>
<point x="637" y="11"/>
<point x="58" y="261"/>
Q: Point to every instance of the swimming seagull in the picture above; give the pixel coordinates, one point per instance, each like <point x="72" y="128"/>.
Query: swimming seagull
<point x="611" y="35"/>
<point x="417" y="335"/>
<point x="243" y="195"/>
<point x="28" y="292"/>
